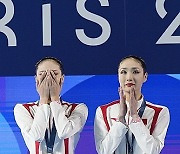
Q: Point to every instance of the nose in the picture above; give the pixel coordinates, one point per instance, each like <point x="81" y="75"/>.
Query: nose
<point x="48" y="72"/>
<point x="129" y="76"/>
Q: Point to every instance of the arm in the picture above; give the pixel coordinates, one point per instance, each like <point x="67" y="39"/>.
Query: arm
<point x="32" y="128"/>
<point x="107" y="142"/>
<point x="68" y="126"/>
<point x="151" y="144"/>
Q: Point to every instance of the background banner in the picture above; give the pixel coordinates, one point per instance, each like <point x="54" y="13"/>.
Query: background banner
<point x="89" y="36"/>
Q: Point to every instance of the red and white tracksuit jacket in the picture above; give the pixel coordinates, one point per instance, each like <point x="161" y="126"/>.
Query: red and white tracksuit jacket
<point x="150" y="132"/>
<point x="33" y="120"/>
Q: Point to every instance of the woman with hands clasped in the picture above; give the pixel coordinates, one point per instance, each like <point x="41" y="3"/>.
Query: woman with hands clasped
<point x="50" y="125"/>
<point x="131" y="125"/>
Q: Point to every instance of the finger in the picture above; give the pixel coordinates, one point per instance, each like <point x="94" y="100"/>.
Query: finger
<point x="53" y="79"/>
<point x="46" y="85"/>
<point x="120" y="91"/>
<point x="133" y="93"/>
<point x="43" y="76"/>
<point x="122" y="96"/>
<point x="131" y="96"/>
<point x="54" y="76"/>
<point x="44" y="81"/>
<point x="53" y="82"/>
<point x="49" y="80"/>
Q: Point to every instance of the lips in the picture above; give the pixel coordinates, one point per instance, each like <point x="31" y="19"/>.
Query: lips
<point x="130" y="84"/>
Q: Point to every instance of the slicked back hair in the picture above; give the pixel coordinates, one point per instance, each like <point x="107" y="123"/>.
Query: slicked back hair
<point x="138" y="59"/>
<point x="53" y="59"/>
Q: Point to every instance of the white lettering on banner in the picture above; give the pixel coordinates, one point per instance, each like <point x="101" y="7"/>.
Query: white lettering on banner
<point x="46" y="21"/>
<point x="106" y="28"/>
<point x="6" y="19"/>
<point x="160" y="8"/>
<point x="166" y="37"/>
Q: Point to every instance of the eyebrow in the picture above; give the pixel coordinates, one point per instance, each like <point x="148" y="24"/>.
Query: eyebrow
<point x="41" y="71"/>
<point x="45" y="70"/>
<point x="131" y="68"/>
<point x="55" y="70"/>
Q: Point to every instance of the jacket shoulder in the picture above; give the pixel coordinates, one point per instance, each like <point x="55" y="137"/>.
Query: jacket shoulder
<point x="109" y="104"/>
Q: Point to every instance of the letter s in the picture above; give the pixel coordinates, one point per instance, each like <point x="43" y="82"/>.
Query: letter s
<point x="106" y="29"/>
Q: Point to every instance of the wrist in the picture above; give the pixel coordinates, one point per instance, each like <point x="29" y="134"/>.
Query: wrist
<point x="133" y="113"/>
<point x="55" y="99"/>
<point x="136" y="118"/>
<point x="121" y="119"/>
<point x="43" y="101"/>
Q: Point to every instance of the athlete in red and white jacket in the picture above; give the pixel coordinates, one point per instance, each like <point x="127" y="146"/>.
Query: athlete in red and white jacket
<point x="50" y="125"/>
<point x="149" y="133"/>
<point x="131" y="125"/>
<point x="33" y="120"/>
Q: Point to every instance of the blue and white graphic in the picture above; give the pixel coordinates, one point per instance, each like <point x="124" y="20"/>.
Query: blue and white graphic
<point x="93" y="90"/>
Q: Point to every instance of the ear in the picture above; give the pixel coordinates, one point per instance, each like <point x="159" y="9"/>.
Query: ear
<point x="118" y="76"/>
<point x="62" y="79"/>
<point x="145" y="77"/>
<point x="36" y="80"/>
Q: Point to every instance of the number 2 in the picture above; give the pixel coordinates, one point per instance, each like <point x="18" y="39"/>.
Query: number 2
<point x="167" y="37"/>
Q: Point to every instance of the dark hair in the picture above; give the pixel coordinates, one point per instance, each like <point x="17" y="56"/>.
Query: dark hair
<point x="139" y="59"/>
<point x="53" y="59"/>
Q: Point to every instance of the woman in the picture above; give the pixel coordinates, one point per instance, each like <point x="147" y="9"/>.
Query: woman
<point x="131" y="125"/>
<point x="50" y="125"/>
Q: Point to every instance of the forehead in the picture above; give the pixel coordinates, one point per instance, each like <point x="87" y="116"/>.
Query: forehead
<point x="130" y="63"/>
<point x="48" y="65"/>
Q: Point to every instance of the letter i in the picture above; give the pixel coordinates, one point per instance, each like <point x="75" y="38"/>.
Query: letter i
<point x="46" y="22"/>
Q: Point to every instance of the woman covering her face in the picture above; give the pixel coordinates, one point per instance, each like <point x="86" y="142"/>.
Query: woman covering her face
<point x="131" y="125"/>
<point x="50" y="125"/>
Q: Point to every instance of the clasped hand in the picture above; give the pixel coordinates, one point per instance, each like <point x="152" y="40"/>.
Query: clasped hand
<point x="131" y="98"/>
<point x="48" y="87"/>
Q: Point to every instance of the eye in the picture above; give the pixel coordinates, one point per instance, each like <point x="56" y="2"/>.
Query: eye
<point x="123" y="72"/>
<point x="136" y="72"/>
<point x="41" y="73"/>
<point x="55" y="72"/>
